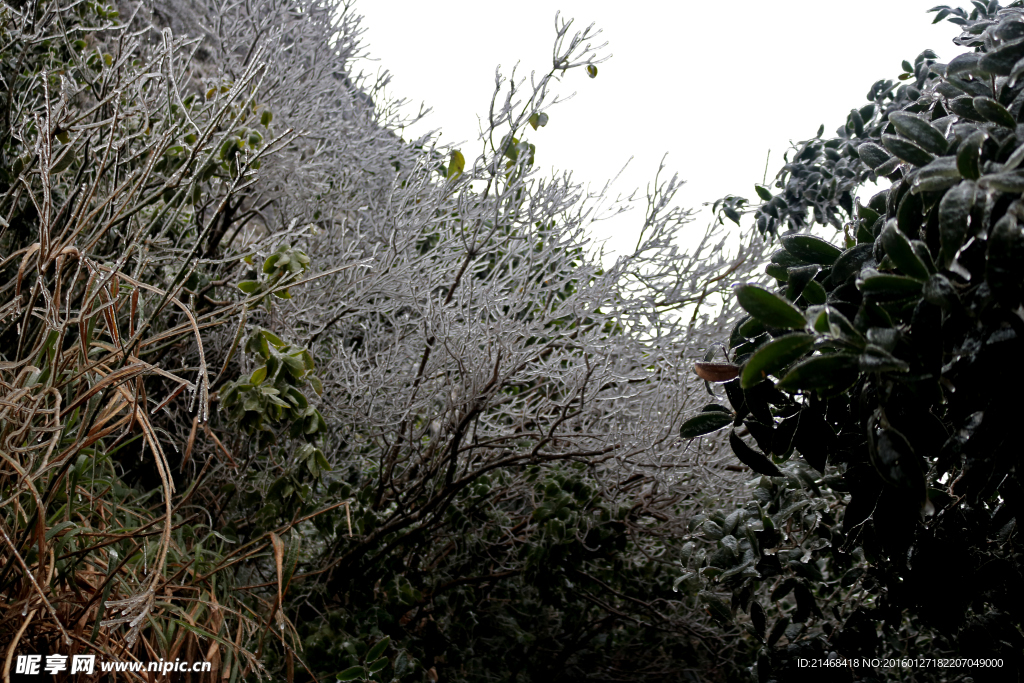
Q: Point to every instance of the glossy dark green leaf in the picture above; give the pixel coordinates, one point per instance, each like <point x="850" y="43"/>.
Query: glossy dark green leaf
<point x="898" y="248"/>
<point x="857" y="122"/>
<point x="798" y="279"/>
<point x="873" y="155"/>
<point x="877" y="359"/>
<point x="782" y="439"/>
<point x="884" y="287"/>
<point x="814" y="293"/>
<point x="893" y="457"/>
<point x="778" y="630"/>
<point x="941" y="292"/>
<point x="753" y="459"/>
<point x="924" y="255"/>
<point x="704" y="423"/>
<point x="770" y="309"/>
<point x="963" y="106"/>
<point x="992" y="111"/>
<point x="1004" y="260"/>
<point x="757" y="619"/>
<point x="821" y="372"/>
<point x="1016" y="72"/>
<point x="963" y="63"/>
<point x="1014" y="160"/>
<point x="954" y="216"/>
<point x="934" y="184"/>
<point x="811" y="249"/>
<point x="774" y="356"/>
<point x="591" y="70"/>
<point x="889" y="167"/>
<point x="776" y="271"/>
<point x="940" y="167"/>
<point x="763" y="192"/>
<point x="906" y="150"/>
<point x="716" y="607"/>
<point x="353" y="673"/>
<point x="751" y="328"/>
<point x="920" y="132"/>
<point x="805" y="604"/>
<point x="866" y="213"/>
<point x="378" y="649"/>
<point x="1003" y="182"/>
<point x="850" y="262"/>
<point x="910" y="214"/>
<point x="1000" y="61"/>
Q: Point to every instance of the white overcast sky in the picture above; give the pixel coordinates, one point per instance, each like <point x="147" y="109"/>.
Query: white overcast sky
<point x="715" y="85"/>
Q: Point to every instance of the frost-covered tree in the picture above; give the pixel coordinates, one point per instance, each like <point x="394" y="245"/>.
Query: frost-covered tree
<point x="305" y="385"/>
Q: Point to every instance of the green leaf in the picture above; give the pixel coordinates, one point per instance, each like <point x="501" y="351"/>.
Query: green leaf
<point x="798" y="279"/>
<point x="878" y="286"/>
<point x="898" y="248"/>
<point x="941" y="292"/>
<point x="920" y="132"/>
<point x="954" y="219"/>
<point x="1003" y="182"/>
<point x="774" y="356"/>
<point x="538" y="120"/>
<point x="776" y="271"/>
<point x="753" y="459"/>
<point x="1000" y="60"/>
<point x="850" y="261"/>
<point x="456" y="164"/>
<point x="377" y="665"/>
<point x="704" y="423"/>
<point x="908" y="67"/>
<point x="591" y="70"/>
<point x="258" y="375"/>
<point x="228" y="149"/>
<point x="757" y="618"/>
<point x="778" y="630"/>
<point x="752" y="328"/>
<point x="266" y="117"/>
<point x="963" y="63"/>
<point x="716" y="607"/>
<point x="906" y="150"/>
<point x="814" y="293"/>
<point x="1004" y="259"/>
<point x="811" y="249"/>
<point x="994" y="112"/>
<point x="352" y="674"/>
<point x="63" y="161"/>
<point x="763" y="192"/>
<point x="963" y="107"/>
<point x="770" y="309"/>
<point x="877" y="359"/>
<point x="872" y="155"/>
<point x="248" y="286"/>
<point x="378" y="649"/>
<point x="820" y="373"/>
